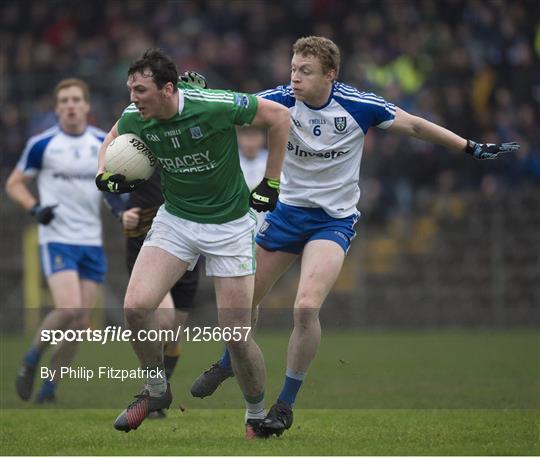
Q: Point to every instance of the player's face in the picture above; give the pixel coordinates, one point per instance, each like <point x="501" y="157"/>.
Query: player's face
<point x="309" y="83"/>
<point x="146" y="96"/>
<point x="251" y="141"/>
<point x="72" y="108"/>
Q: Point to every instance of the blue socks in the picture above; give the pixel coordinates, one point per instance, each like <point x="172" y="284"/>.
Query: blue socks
<point x="225" y="361"/>
<point x="32" y="357"/>
<point x="291" y="386"/>
<point x="47" y="389"/>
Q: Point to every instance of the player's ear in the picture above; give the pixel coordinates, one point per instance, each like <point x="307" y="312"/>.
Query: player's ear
<point x="331" y="75"/>
<point x="169" y="88"/>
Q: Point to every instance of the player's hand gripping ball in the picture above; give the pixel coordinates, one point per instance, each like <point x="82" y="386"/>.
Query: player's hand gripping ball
<point x="128" y="163"/>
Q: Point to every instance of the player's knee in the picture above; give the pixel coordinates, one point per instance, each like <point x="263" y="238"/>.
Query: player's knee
<point x="238" y="348"/>
<point x="306" y="317"/>
<point x="134" y="301"/>
<point x="72" y="314"/>
<point x="233" y="317"/>
<point x="136" y="317"/>
<point x="82" y="322"/>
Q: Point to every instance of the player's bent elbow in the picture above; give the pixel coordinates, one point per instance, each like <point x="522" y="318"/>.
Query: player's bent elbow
<point x="10" y="182"/>
<point x="12" y="185"/>
<point x="284" y="115"/>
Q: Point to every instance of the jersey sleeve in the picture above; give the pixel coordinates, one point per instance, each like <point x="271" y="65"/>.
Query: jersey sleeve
<point x="281" y="94"/>
<point x="225" y="106"/>
<point x="32" y="156"/>
<point x="129" y="121"/>
<point x="244" y="108"/>
<point x="383" y="113"/>
<point x="368" y="110"/>
<point x="117" y="203"/>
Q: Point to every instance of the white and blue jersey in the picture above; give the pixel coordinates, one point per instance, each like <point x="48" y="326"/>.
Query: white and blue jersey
<point x="65" y="166"/>
<point x="324" y="151"/>
<point x="253" y="170"/>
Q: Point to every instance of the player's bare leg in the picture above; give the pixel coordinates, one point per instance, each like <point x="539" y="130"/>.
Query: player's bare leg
<point x="65" y="351"/>
<point x="172" y="349"/>
<point x="169" y="319"/>
<point x="321" y="263"/>
<point x="270" y="266"/>
<point x="154" y="273"/>
<point x="165" y="312"/>
<point x="234" y="298"/>
<point x="66" y="293"/>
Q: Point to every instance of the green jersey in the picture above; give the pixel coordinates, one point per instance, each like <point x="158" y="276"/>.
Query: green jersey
<point x="197" y="149"/>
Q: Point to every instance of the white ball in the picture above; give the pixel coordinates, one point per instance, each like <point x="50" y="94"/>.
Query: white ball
<point x="127" y="154"/>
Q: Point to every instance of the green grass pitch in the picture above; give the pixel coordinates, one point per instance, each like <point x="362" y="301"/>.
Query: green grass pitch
<point x="444" y="392"/>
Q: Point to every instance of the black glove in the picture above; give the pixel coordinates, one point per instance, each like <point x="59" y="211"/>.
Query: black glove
<point x="44" y="215"/>
<point x="115" y="182"/>
<point x="264" y="197"/>
<point x="489" y="150"/>
<point x="194" y="78"/>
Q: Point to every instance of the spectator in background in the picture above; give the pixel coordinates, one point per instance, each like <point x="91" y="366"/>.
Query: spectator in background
<point x="460" y="51"/>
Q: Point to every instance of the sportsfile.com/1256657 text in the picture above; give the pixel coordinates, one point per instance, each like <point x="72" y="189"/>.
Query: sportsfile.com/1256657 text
<point x="119" y="334"/>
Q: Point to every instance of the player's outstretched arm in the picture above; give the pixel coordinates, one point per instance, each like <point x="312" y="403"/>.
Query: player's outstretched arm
<point x="417" y="127"/>
<point x="276" y="119"/>
<point x="110" y="182"/>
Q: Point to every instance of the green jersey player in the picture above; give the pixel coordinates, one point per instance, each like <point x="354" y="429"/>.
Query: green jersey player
<point x="192" y="133"/>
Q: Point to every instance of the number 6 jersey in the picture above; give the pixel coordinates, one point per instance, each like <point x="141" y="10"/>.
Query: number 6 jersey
<point x="324" y="151"/>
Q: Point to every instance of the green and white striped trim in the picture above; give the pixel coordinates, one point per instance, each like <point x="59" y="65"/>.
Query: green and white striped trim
<point x="253" y="216"/>
<point x="131" y="109"/>
<point x="208" y="97"/>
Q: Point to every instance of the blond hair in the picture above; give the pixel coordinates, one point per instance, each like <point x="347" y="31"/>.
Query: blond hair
<point x="322" y="48"/>
<point x="69" y="82"/>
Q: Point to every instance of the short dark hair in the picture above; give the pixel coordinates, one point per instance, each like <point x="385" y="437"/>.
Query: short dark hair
<point x="160" y="64"/>
<point x="322" y="48"/>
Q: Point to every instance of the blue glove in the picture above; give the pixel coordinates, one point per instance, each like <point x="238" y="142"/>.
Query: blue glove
<point x="483" y="151"/>
<point x="194" y="78"/>
<point x="44" y="215"/>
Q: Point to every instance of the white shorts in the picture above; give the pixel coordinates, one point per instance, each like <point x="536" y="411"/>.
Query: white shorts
<point x="229" y="248"/>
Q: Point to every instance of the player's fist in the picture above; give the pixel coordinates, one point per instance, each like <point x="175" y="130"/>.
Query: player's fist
<point x="265" y="196"/>
<point x="194" y="78"/>
<point x="44" y="215"/>
<point x="116" y="183"/>
<point x="131" y="218"/>
<point x="483" y="151"/>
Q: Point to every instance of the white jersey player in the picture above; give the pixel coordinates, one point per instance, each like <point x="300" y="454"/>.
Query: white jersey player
<point x="324" y="151"/>
<point x="316" y="211"/>
<point x="253" y="157"/>
<point x="63" y="159"/>
<point x="63" y="166"/>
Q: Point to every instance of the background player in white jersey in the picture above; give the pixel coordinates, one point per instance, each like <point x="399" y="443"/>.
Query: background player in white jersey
<point x="253" y="155"/>
<point x="316" y="211"/>
<point x="63" y="158"/>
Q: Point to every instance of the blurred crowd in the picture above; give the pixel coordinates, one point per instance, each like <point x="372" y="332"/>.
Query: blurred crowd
<point x="470" y="65"/>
